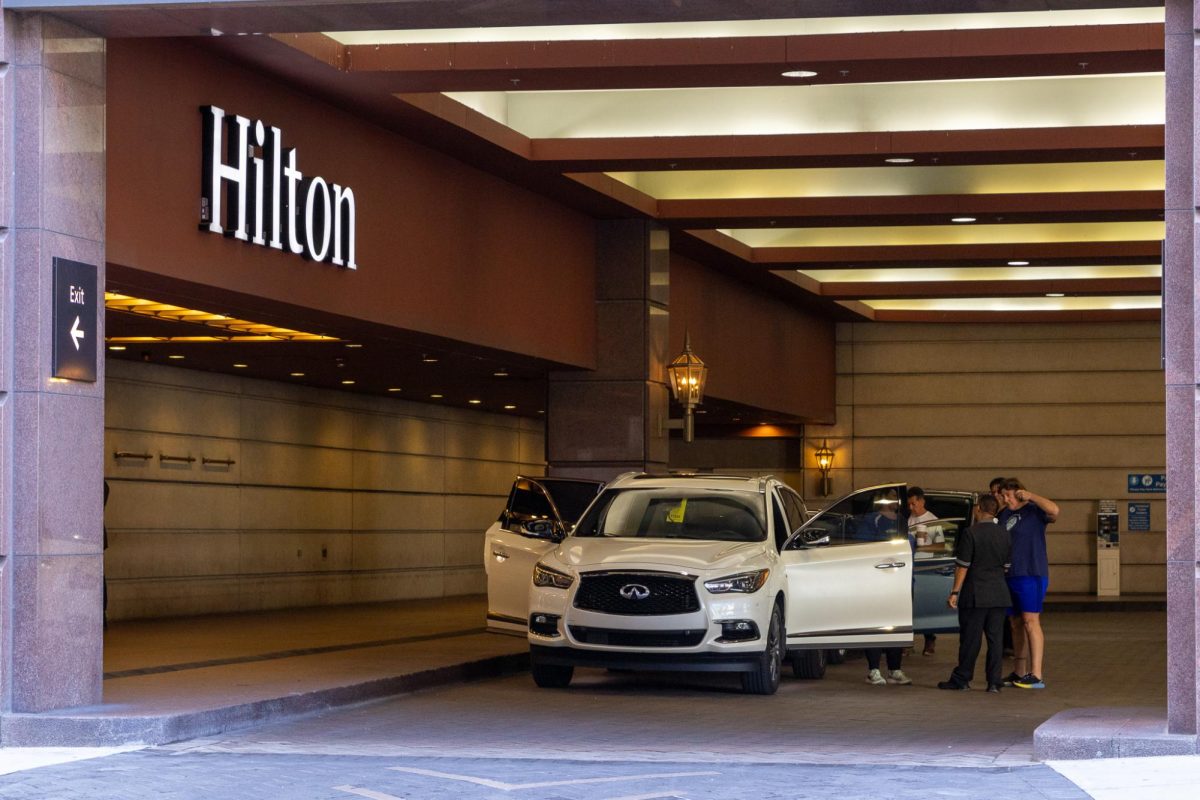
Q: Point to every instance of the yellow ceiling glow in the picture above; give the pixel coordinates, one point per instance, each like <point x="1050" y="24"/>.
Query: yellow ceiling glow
<point x="235" y="330"/>
<point x="930" y="274"/>
<point x="949" y="234"/>
<point x="1096" y="176"/>
<point x="764" y="27"/>
<point x="1019" y="304"/>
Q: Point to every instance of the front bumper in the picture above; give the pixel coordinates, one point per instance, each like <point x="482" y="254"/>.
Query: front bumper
<point x="615" y="659"/>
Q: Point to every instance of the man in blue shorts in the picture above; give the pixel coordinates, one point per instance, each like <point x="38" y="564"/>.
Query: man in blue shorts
<point x="1025" y="518"/>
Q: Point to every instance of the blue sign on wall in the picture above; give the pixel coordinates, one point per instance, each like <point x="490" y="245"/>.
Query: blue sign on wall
<point x="1139" y="516"/>
<point x="1147" y="483"/>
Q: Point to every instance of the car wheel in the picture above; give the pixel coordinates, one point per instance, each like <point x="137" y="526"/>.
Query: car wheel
<point x="835" y="656"/>
<point x="809" y="664"/>
<point x="764" y="679"/>
<point x="551" y="676"/>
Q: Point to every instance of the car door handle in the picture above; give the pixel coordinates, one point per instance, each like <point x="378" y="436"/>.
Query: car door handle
<point x="501" y="555"/>
<point x="946" y="571"/>
<point x="890" y="565"/>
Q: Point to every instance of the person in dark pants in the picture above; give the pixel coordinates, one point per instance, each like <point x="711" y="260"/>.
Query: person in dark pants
<point x="996" y="490"/>
<point x="981" y="596"/>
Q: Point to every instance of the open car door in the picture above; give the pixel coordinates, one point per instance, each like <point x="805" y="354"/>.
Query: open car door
<point x="849" y="574"/>
<point x="537" y="516"/>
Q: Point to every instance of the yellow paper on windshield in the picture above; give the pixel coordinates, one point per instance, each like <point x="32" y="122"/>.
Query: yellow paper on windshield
<point x="676" y="513"/>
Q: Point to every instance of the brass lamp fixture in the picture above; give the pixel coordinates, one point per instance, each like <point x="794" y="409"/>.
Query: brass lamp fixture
<point x="688" y="375"/>
<point x="824" y="464"/>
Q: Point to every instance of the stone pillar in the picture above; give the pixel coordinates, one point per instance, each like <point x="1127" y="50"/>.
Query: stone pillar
<point x="1179" y="310"/>
<point x="52" y="98"/>
<point x="608" y="421"/>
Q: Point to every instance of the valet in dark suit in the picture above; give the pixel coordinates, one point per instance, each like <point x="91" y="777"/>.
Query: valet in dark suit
<point x="981" y="596"/>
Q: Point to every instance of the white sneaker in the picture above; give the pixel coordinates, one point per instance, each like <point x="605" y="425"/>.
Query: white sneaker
<point x="897" y="676"/>
<point x="875" y="678"/>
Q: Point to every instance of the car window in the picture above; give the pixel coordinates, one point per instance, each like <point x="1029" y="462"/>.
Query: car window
<point x="527" y="502"/>
<point x="797" y="514"/>
<point x="780" y="522"/>
<point x="677" y="513"/>
<point x="953" y="512"/>
<point x="571" y="497"/>
<point x="866" y="516"/>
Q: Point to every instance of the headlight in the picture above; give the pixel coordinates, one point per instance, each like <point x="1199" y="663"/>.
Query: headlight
<point x="544" y="576"/>
<point x="747" y="582"/>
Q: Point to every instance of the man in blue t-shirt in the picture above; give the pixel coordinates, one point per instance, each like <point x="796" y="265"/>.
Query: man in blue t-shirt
<point x="1025" y="517"/>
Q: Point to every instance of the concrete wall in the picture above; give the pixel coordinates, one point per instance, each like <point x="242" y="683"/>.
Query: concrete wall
<point x="1070" y="409"/>
<point x="334" y="497"/>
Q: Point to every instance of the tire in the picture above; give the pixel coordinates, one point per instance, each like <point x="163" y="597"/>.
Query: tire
<point x="835" y="656"/>
<point x="551" y="676"/>
<point x="809" y="664"/>
<point x="765" y="678"/>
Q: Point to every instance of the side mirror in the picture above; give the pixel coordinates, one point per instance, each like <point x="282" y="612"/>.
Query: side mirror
<point x="542" y="529"/>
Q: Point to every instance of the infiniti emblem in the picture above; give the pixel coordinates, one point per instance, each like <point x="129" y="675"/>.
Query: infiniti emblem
<point x="634" y="591"/>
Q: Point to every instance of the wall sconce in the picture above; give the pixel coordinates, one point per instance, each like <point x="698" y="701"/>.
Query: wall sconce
<point x="824" y="464"/>
<point x="687" y="375"/>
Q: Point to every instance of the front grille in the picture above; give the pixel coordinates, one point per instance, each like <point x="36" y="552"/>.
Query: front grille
<point x="623" y="638"/>
<point x="667" y="594"/>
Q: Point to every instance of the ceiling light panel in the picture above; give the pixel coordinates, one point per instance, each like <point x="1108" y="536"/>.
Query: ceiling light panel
<point x="762" y="110"/>
<point x="1018" y="304"/>
<point x="949" y="234"/>
<point x="237" y="330"/>
<point x="928" y="274"/>
<point x="1097" y="176"/>
<point x="762" y="27"/>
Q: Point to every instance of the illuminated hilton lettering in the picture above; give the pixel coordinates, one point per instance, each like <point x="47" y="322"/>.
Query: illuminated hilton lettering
<point x="308" y="216"/>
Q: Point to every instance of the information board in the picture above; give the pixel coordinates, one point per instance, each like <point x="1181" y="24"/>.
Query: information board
<point x="1139" y="517"/>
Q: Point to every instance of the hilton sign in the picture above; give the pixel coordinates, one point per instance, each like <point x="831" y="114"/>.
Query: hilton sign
<point x="267" y="200"/>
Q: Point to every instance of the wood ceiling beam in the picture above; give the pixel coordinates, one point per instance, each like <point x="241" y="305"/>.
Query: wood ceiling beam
<point x="867" y="290"/>
<point x="812" y="212"/>
<point x="959" y="255"/>
<point x="926" y="148"/>
<point x="761" y="60"/>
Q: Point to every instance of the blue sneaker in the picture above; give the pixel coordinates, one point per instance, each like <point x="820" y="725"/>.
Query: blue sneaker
<point x="1030" y="681"/>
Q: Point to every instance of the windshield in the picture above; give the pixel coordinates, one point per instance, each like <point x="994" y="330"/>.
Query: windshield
<point x="677" y="513"/>
<point x="571" y="497"/>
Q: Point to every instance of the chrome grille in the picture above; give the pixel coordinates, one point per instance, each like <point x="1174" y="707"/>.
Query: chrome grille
<point x="625" y="638"/>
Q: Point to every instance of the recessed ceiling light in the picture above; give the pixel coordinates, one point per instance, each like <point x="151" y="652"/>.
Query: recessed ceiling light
<point x="299" y="375"/>
<point x="509" y="408"/>
<point x="436" y="396"/>
<point x="353" y="345"/>
<point x="501" y="373"/>
<point x="116" y="347"/>
<point x="428" y="359"/>
<point x="541" y="411"/>
<point x="899" y="160"/>
<point x="474" y="402"/>
<point x="240" y="366"/>
<point x="347" y="383"/>
<point x="1055" y="294"/>
<point x="395" y="389"/>
<point x="176" y="357"/>
<point x="799" y="73"/>
<point x="1018" y="263"/>
<point x="963" y="219"/>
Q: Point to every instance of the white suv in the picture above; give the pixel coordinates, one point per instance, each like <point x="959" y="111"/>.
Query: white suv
<point x="707" y="573"/>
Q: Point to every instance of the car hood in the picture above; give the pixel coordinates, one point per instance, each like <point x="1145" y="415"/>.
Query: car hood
<point x="645" y="553"/>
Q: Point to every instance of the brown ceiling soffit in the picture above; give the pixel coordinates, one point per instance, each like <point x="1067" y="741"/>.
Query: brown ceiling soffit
<point x="761" y="60"/>
<point x="967" y="255"/>
<point x="1010" y="288"/>
<point x="926" y="148"/>
<point x="1113" y="315"/>
<point x="913" y="209"/>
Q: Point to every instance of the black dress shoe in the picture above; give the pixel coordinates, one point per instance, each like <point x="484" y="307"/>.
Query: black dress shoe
<point x="954" y="686"/>
<point x="993" y="688"/>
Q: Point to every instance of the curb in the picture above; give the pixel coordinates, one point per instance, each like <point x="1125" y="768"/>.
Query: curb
<point x="70" y="728"/>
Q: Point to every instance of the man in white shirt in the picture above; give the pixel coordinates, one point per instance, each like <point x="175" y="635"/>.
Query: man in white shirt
<point x="925" y="535"/>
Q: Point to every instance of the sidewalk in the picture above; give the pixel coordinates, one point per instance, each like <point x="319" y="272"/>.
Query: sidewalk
<point x="174" y="679"/>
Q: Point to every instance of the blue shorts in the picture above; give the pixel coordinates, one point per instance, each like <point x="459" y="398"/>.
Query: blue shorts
<point x="1028" y="592"/>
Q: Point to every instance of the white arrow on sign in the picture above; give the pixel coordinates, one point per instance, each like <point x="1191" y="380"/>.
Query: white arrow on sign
<point x="76" y="334"/>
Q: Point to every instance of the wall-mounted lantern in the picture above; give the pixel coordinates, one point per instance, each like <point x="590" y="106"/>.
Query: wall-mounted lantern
<point x="825" y="464"/>
<point x="687" y="375"/>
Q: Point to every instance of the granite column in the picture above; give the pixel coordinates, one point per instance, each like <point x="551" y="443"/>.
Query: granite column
<point x="611" y="419"/>
<point x="52" y="106"/>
